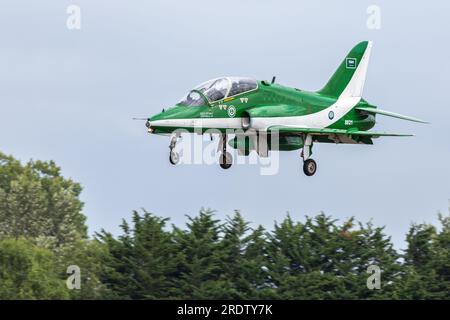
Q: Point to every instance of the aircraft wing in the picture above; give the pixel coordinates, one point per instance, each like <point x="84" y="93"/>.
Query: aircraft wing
<point x="326" y="131"/>
<point x="389" y="114"/>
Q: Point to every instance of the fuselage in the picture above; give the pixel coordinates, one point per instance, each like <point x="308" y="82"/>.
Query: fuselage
<point x="267" y="105"/>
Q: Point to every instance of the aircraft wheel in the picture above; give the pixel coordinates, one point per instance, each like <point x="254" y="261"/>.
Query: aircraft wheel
<point x="309" y="167"/>
<point x="174" y="157"/>
<point x="225" y="160"/>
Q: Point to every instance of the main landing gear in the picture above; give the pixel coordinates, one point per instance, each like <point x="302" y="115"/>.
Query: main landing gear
<point x="309" y="165"/>
<point x="225" y="159"/>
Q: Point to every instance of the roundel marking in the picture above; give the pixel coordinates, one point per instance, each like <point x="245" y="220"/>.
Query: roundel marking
<point x="231" y="111"/>
<point x="331" y="115"/>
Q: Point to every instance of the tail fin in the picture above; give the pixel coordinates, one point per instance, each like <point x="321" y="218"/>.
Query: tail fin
<point x="349" y="78"/>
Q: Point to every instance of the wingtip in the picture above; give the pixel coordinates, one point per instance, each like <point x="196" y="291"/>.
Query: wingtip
<point x="421" y="121"/>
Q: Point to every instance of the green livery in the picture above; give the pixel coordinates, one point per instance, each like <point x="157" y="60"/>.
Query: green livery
<point x="258" y="111"/>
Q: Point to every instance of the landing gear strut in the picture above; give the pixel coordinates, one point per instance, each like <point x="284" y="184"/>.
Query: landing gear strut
<point x="174" y="157"/>
<point x="309" y="165"/>
<point x="225" y="159"/>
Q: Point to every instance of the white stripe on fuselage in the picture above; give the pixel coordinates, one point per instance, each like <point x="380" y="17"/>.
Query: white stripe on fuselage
<point x="219" y="123"/>
<point x="314" y="120"/>
<point x="349" y="98"/>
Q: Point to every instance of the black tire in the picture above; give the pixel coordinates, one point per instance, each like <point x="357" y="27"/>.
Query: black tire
<point x="225" y="160"/>
<point x="174" y="157"/>
<point x="309" y="167"/>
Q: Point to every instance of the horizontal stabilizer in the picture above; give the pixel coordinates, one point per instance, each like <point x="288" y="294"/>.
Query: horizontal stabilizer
<point x="327" y="131"/>
<point x="389" y="114"/>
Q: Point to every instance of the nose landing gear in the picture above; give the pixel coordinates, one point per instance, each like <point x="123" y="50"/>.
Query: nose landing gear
<point x="174" y="156"/>
<point x="225" y="160"/>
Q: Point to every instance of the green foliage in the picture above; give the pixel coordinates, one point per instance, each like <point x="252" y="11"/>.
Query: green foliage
<point x="141" y="261"/>
<point x="427" y="262"/>
<point x="199" y="263"/>
<point x="317" y="259"/>
<point x="243" y="260"/>
<point x="36" y="202"/>
<point x="89" y="256"/>
<point x="320" y="256"/>
<point x="43" y="232"/>
<point x="28" y="272"/>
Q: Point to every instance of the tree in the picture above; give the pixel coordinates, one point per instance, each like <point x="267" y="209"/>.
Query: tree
<point x="36" y="202"/>
<point x="199" y="263"/>
<point x="141" y="261"/>
<point x="256" y="266"/>
<point x="322" y="260"/>
<point x="29" y="272"/>
<point x="43" y="231"/>
<point x="42" y="209"/>
<point x="243" y="262"/>
<point x="89" y="256"/>
<point x="426" y="273"/>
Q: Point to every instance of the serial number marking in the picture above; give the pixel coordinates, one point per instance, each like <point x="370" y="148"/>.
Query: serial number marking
<point x="348" y="122"/>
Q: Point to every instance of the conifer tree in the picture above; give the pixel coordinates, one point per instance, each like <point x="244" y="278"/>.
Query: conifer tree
<point x="426" y="273"/>
<point x="320" y="259"/>
<point x="199" y="267"/>
<point x="141" y="262"/>
<point x="243" y="260"/>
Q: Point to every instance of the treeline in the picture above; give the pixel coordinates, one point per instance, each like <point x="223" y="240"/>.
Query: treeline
<point x="43" y="232"/>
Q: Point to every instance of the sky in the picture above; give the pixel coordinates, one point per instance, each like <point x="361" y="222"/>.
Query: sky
<point x="68" y="95"/>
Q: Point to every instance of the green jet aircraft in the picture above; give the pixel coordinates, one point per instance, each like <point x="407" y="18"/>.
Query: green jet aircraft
<point x="259" y="110"/>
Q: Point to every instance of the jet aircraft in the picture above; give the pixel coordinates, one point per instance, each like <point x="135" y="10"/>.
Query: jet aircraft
<point x="257" y="110"/>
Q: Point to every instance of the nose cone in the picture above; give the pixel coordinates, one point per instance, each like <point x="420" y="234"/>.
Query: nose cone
<point x="164" y="121"/>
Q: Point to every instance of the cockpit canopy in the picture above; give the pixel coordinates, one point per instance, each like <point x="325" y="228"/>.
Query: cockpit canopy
<point x="218" y="89"/>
